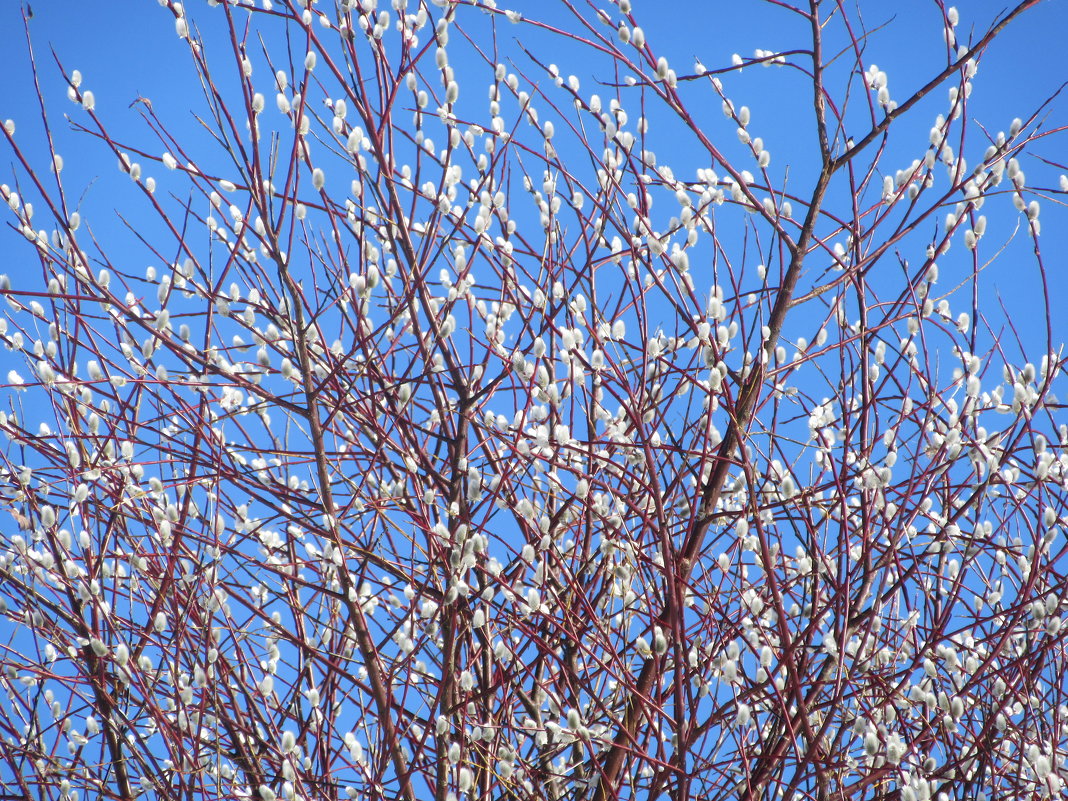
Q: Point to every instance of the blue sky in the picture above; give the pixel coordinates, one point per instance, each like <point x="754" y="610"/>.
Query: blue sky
<point x="130" y="51"/>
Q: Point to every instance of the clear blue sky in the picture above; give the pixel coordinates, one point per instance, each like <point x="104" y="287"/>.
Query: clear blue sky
<point x="127" y="48"/>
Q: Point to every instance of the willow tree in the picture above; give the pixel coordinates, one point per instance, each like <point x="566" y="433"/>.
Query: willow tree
<point x="413" y="417"/>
